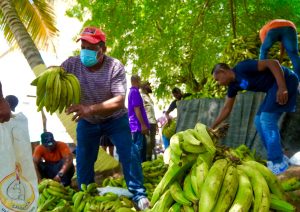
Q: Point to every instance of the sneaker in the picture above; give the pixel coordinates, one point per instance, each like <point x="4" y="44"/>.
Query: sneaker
<point x="278" y="168"/>
<point x="143" y="203"/>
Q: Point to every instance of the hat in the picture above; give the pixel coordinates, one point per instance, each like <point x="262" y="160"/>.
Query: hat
<point x="12" y="101"/>
<point x="92" y="35"/>
<point x="47" y="139"/>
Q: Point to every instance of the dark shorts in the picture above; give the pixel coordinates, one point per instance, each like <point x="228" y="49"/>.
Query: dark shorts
<point x="105" y="141"/>
<point x="50" y="170"/>
<point x="270" y="105"/>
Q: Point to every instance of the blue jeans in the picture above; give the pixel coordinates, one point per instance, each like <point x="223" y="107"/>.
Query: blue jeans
<point x="141" y="143"/>
<point x="166" y="141"/>
<point x="267" y="128"/>
<point x="88" y="139"/>
<point x="50" y="170"/>
<point x="288" y="37"/>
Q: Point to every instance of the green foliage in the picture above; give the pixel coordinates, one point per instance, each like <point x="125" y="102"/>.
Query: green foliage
<point x="177" y="42"/>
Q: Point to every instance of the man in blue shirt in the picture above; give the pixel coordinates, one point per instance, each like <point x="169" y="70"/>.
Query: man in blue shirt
<point x="280" y="85"/>
<point x="138" y="120"/>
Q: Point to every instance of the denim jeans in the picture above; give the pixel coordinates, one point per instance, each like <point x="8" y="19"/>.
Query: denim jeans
<point x="141" y="143"/>
<point x="88" y="139"/>
<point x="267" y="127"/>
<point x="288" y="37"/>
<point x="166" y="141"/>
<point x="50" y="170"/>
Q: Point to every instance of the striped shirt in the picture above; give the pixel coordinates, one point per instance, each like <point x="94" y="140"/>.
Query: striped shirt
<point x="100" y="85"/>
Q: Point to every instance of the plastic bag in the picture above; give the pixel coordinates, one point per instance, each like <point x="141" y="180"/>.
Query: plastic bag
<point x="18" y="180"/>
<point x="295" y="159"/>
<point x="116" y="190"/>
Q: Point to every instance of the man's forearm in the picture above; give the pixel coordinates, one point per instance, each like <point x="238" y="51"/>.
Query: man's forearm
<point x="1" y="94"/>
<point x="139" y="116"/>
<point x="108" y="107"/>
<point x="68" y="161"/>
<point x="275" y="68"/>
<point x="225" y="112"/>
<point x="38" y="174"/>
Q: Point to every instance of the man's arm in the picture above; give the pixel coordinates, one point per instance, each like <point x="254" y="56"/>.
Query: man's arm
<point x="4" y="108"/>
<point x="38" y="174"/>
<point x="170" y="109"/>
<point x="104" y="109"/>
<point x="275" y="68"/>
<point x="225" y="112"/>
<point x="138" y="113"/>
<point x="68" y="162"/>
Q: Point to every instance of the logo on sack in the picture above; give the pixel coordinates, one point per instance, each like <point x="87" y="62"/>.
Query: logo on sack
<point x="16" y="192"/>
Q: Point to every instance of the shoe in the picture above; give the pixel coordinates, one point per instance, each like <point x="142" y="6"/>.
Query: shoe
<point x="278" y="168"/>
<point x="143" y="203"/>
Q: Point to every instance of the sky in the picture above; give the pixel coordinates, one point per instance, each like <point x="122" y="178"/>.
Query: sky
<point x="16" y="75"/>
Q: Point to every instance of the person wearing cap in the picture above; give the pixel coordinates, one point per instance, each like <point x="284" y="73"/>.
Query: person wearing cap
<point x="149" y="107"/>
<point x="54" y="160"/>
<point x="12" y="101"/>
<point x="285" y="32"/>
<point x="4" y="108"/>
<point x="102" y="111"/>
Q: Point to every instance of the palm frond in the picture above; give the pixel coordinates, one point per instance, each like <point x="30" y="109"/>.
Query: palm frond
<point x="38" y="18"/>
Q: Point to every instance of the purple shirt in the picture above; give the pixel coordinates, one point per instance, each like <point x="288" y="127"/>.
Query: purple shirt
<point x="100" y="85"/>
<point x="135" y="100"/>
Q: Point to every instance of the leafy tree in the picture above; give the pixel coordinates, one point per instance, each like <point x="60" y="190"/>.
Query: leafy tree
<point x="177" y="42"/>
<point x="30" y="24"/>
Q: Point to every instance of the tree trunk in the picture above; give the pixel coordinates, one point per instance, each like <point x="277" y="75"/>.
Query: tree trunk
<point x="21" y="35"/>
<point x="233" y="17"/>
<point x="31" y="54"/>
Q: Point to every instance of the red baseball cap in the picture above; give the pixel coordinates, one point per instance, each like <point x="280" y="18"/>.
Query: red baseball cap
<point x="92" y="35"/>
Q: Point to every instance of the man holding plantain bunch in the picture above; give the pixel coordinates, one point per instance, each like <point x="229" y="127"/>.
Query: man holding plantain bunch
<point x="280" y="85"/>
<point x="102" y="112"/>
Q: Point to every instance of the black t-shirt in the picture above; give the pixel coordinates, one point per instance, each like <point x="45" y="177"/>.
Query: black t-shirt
<point x="249" y="78"/>
<point x="173" y="104"/>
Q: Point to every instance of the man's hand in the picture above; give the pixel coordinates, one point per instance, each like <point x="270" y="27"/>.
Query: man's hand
<point x="57" y="178"/>
<point x="282" y="96"/>
<point x="4" y="111"/>
<point x="145" y="130"/>
<point x="80" y="111"/>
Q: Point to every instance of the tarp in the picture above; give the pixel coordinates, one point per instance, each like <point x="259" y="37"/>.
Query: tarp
<point x="241" y="120"/>
<point x="105" y="162"/>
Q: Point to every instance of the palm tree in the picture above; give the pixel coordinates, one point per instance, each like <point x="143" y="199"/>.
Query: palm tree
<point x="30" y="24"/>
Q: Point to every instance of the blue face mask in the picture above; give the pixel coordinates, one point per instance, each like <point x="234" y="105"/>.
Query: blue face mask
<point x="88" y="57"/>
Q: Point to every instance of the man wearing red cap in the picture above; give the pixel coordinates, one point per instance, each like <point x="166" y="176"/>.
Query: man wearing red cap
<point x="102" y="112"/>
<point x="4" y="108"/>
